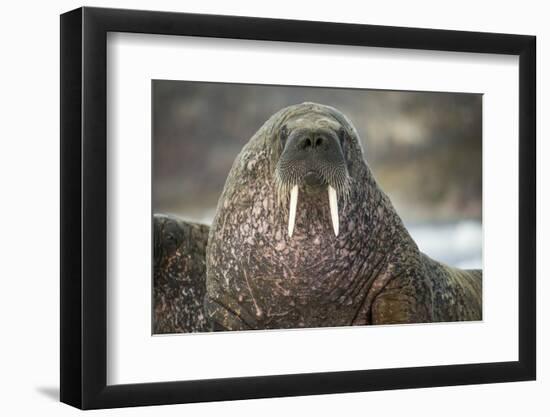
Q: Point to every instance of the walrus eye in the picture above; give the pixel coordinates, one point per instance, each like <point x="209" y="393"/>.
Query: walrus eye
<point x="283" y="135"/>
<point x="171" y="241"/>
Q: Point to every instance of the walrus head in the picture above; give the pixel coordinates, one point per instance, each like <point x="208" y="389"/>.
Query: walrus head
<point x="300" y="223"/>
<point x="311" y="146"/>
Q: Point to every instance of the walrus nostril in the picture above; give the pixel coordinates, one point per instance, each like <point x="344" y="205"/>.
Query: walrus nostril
<point x="306" y="143"/>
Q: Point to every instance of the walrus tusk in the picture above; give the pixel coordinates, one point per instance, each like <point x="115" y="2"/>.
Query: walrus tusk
<point x="292" y="212"/>
<point x="333" y="202"/>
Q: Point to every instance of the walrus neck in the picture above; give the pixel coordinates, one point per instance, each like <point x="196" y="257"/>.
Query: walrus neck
<point x="388" y="243"/>
<point x="308" y="276"/>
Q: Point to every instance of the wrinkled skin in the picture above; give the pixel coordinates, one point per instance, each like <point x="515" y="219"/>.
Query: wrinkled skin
<point x="179" y="278"/>
<point x="259" y="277"/>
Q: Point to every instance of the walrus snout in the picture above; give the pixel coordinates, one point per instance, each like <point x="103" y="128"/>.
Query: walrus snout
<point x="313" y="147"/>
<point x="312" y="156"/>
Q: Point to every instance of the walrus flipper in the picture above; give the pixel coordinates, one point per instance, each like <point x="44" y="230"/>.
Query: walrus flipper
<point x="179" y="278"/>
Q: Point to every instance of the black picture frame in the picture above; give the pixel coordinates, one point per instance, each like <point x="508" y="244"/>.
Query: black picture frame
<point x="84" y="207"/>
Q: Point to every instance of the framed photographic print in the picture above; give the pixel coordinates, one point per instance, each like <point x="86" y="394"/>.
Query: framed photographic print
<point x="256" y="208"/>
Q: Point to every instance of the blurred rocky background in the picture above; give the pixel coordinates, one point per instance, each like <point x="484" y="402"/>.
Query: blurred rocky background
<point x="425" y="149"/>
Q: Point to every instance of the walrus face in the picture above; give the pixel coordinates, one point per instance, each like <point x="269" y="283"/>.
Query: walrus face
<point x="312" y="158"/>
<point x="171" y="245"/>
<point x="168" y="236"/>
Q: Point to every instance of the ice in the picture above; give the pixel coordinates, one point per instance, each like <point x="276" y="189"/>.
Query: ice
<point x="457" y="244"/>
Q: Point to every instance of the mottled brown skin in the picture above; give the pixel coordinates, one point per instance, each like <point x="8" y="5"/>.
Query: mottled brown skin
<point x="179" y="277"/>
<point x="371" y="273"/>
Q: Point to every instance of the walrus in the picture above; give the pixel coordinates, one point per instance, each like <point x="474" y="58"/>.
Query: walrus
<point x="179" y="277"/>
<point x="303" y="236"/>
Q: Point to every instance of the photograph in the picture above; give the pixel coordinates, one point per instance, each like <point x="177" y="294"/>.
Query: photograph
<point x="288" y="207"/>
<point x="338" y="205"/>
